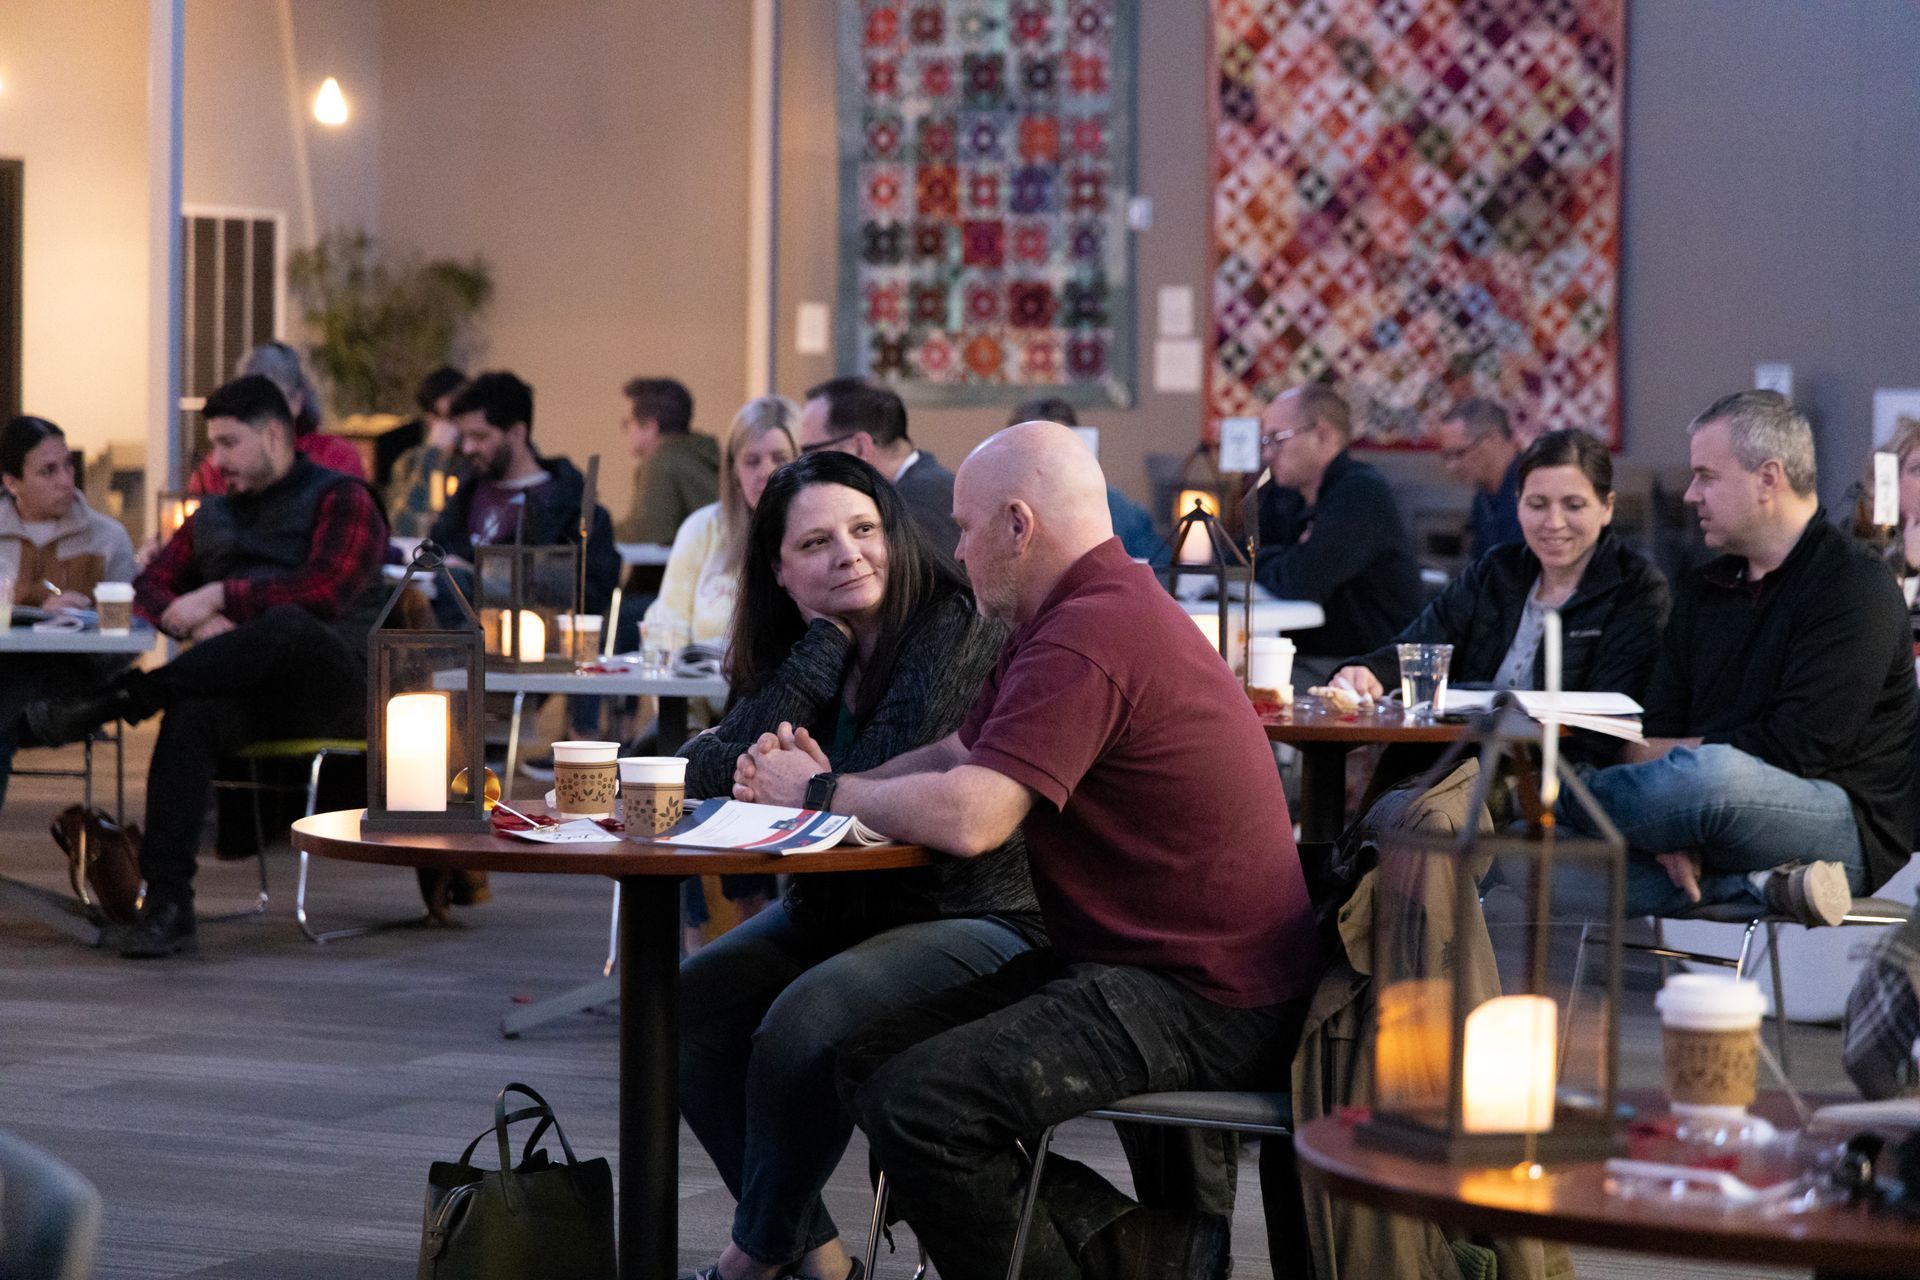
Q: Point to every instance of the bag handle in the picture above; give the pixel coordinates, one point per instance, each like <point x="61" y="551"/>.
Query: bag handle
<point x="502" y="1118"/>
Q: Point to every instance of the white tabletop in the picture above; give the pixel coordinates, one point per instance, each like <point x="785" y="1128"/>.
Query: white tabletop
<point x="614" y="685"/>
<point x="27" y="640"/>
<point x="1269" y="616"/>
<point x="643" y="552"/>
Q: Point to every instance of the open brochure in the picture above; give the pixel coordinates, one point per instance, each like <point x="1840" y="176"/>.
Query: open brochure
<point x="1601" y="712"/>
<point x="770" y="828"/>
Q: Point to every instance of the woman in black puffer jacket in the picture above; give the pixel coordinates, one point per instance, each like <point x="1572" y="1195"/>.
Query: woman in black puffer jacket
<point x="1612" y="603"/>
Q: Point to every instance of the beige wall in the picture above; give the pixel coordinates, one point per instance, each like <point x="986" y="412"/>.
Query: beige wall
<point x="239" y="116"/>
<point x="74" y="109"/>
<point x="595" y="153"/>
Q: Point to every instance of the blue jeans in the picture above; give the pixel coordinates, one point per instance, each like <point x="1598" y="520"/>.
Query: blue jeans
<point x="764" y="1009"/>
<point x="945" y="1089"/>
<point x="1737" y="812"/>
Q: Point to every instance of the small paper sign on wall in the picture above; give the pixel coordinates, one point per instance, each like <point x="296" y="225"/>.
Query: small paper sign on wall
<point x="1886" y="489"/>
<point x="1240" y="445"/>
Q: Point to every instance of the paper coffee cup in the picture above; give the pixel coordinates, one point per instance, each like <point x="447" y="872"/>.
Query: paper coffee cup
<point x="114" y="600"/>
<point x="586" y="778"/>
<point x="587" y="639"/>
<point x="653" y="791"/>
<point x="1270" y="667"/>
<point x="1710" y="1030"/>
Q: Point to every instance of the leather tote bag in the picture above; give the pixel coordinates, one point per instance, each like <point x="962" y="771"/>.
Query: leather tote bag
<point x="537" y="1219"/>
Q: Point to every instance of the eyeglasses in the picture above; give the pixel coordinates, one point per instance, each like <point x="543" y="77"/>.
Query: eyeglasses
<point x="819" y="445"/>
<point x="1273" y="438"/>
<point x="1454" y="455"/>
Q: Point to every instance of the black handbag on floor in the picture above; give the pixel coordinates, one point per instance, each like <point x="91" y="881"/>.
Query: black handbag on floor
<point x="535" y="1219"/>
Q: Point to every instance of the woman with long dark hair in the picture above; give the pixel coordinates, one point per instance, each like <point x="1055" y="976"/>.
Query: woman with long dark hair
<point x="54" y="549"/>
<point x="848" y="624"/>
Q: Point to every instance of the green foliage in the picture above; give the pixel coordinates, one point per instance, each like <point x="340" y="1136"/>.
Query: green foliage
<point x="378" y="322"/>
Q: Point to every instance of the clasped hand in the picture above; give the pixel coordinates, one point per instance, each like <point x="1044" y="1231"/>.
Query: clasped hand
<point x="776" y="769"/>
<point x="191" y="611"/>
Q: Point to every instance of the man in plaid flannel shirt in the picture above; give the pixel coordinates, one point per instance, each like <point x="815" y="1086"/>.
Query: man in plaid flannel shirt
<point x="275" y="584"/>
<point x="1880" y="1039"/>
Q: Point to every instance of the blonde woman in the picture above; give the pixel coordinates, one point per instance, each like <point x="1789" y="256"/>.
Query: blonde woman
<point x="703" y="570"/>
<point x="697" y="590"/>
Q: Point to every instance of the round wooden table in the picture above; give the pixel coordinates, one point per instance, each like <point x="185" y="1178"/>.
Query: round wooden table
<point x="1571" y="1204"/>
<point x="1324" y="736"/>
<point x="649" y="875"/>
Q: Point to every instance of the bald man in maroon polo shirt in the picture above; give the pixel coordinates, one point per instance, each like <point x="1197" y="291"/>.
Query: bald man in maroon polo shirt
<point x="1183" y="946"/>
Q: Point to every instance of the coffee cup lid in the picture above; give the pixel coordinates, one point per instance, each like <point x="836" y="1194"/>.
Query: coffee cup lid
<point x="653" y="768"/>
<point x="1709" y="1002"/>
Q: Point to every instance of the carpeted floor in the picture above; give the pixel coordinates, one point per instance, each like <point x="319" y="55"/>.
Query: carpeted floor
<point x="268" y="1110"/>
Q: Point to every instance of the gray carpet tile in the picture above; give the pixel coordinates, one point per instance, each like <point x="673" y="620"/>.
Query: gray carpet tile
<point x="268" y="1110"/>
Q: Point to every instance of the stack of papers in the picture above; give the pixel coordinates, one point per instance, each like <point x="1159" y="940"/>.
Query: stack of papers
<point x="1610" y="713"/>
<point x="767" y="828"/>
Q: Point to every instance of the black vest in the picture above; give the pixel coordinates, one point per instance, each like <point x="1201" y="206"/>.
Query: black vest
<point x="266" y="534"/>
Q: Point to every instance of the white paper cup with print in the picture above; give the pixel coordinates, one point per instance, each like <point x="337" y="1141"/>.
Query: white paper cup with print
<point x="115" y="603"/>
<point x="585" y="778"/>
<point x="653" y="793"/>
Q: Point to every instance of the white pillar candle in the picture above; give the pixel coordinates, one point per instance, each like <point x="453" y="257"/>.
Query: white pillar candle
<point x="416" y="748"/>
<point x="1508" y="1066"/>
<point x="1196" y="547"/>
<point x="1550" y="728"/>
<point x="531" y="644"/>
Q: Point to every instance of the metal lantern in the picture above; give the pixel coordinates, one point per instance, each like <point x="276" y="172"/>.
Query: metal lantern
<point x="1493" y="1042"/>
<point x="172" y="510"/>
<point x="521" y="592"/>
<point x="426" y="698"/>
<point x="1212" y="555"/>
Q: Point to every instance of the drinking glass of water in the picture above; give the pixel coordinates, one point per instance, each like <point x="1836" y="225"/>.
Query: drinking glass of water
<point x="1423" y="679"/>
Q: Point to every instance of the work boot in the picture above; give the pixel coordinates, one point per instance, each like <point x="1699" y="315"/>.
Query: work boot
<point x="1812" y="893"/>
<point x="165" y="928"/>
<point x="1156" y="1244"/>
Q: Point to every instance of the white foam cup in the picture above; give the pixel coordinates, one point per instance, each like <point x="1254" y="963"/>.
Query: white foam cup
<point x="1270" y="662"/>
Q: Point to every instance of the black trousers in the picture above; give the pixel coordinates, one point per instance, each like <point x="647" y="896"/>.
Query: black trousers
<point x="286" y="674"/>
<point x="944" y="1089"/>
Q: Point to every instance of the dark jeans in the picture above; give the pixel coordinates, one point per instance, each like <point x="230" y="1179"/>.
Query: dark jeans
<point x="764" y="1010"/>
<point x="27" y="676"/>
<point x="945" y="1089"/>
<point x="285" y="674"/>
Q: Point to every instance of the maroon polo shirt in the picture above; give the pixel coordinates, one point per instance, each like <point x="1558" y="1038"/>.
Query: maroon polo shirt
<point x="1161" y="837"/>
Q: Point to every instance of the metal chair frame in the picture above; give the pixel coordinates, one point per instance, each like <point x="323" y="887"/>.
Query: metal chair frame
<point x="1865" y="911"/>
<point x="1167" y="1110"/>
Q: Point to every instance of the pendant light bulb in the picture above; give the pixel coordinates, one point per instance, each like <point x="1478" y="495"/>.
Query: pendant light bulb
<point x="330" y="105"/>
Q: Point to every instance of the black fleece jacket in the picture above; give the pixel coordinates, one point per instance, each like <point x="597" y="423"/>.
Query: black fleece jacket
<point x="1810" y="669"/>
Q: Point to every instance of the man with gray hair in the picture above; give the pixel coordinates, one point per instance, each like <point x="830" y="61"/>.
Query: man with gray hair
<point x="1477" y="448"/>
<point x="1782" y="715"/>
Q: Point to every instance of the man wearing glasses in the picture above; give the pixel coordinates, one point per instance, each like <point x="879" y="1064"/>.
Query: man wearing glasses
<point x="1331" y="533"/>
<point x="1477" y="448"/>
<point x="869" y="422"/>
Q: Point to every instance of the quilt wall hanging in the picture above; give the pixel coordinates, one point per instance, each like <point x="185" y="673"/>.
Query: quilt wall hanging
<point x="986" y="162"/>
<point x="1418" y="200"/>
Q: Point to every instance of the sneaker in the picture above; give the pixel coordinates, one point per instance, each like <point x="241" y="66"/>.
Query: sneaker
<point x="539" y="768"/>
<point x="1812" y="893"/>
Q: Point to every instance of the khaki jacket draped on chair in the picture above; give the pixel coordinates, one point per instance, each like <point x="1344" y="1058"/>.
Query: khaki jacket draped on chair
<point x="1334" y="1066"/>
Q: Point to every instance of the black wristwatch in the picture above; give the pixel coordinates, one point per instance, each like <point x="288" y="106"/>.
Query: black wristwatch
<point x="820" y="791"/>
